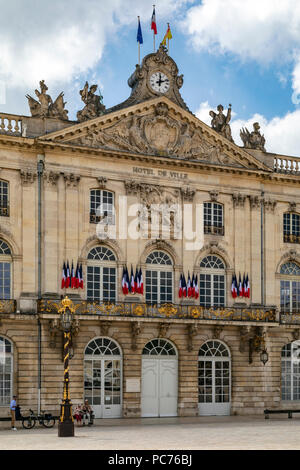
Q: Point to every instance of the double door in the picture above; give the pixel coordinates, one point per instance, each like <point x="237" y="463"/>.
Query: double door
<point x="102" y="386"/>
<point x="214" y="386"/>
<point x="159" y="386"/>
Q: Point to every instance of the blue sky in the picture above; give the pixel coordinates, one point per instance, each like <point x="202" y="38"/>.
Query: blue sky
<point x="244" y="53"/>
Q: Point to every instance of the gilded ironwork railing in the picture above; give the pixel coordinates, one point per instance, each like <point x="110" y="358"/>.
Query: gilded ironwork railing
<point x="130" y="309"/>
<point x="8" y="306"/>
<point x="289" y="318"/>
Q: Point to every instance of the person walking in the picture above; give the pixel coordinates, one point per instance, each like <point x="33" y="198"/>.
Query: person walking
<point x="13" y="405"/>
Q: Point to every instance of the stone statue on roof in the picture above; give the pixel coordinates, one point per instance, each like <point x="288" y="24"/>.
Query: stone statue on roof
<point x="94" y="106"/>
<point x="220" y="122"/>
<point x="253" y="140"/>
<point x="45" y="107"/>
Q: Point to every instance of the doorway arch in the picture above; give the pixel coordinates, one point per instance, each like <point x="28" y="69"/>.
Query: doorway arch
<point x="214" y="379"/>
<point x="159" y="379"/>
<point x="103" y="377"/>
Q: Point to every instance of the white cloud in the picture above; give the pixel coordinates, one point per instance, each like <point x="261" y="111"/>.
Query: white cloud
<point x="266" y="31"/>
<point x="281" y="133"/>
<point x="58" y="39"/>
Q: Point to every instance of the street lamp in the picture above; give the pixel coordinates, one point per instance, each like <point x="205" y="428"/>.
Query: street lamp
<point x="264" y="356"/>
<point x="66" y="422"/>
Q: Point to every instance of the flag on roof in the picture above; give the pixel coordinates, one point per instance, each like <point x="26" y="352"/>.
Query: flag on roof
<point x="168" y="35"/>
<point x="153" y="22"/>
<point x="139" y="36"/>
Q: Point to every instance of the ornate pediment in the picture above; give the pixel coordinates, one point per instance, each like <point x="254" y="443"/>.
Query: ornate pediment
<point x="157" y="128"/>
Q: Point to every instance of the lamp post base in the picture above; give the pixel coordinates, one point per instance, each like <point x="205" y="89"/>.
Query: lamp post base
<point x="66" y="425"/>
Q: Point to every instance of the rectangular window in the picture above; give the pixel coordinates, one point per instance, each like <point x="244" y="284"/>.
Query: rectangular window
<point x="101" y="284"/>
<point x="102" y="206"/>
<point x="5" y="281"/>
<point x="213" y="218"/>
<point x="4" y="203"/>
<point x="291" y="228"/>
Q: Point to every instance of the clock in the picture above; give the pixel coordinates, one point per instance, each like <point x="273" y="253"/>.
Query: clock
<point x="159" y="82"/>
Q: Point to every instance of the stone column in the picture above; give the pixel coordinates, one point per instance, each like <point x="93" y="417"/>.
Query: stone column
<point x="270" y="249"/>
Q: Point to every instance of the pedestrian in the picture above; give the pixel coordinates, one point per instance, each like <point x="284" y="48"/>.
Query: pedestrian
<point x="13" y="405"/>
<point x="87" y="413"/>
<point x="78" y="414"/>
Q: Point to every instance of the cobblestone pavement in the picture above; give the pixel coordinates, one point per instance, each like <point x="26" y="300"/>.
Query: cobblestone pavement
<point x="200" y="433"/>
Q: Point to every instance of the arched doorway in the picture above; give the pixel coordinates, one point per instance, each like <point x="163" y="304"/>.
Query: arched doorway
<point x="214" y="379"/>
<point x="103" y="377"/>
<point x="159" y="379"/>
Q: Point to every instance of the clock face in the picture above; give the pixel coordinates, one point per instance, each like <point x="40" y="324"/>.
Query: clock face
<point x="159" y="82"/>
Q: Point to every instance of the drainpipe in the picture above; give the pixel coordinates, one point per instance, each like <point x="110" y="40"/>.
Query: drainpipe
<point x="40" y="170"/>
<point x="262" y="260"/>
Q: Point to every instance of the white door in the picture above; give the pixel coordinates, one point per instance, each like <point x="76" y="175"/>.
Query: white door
<point x="103" y="378"/>
<point x="214" y="379"/>
<point x="159" y="379"/>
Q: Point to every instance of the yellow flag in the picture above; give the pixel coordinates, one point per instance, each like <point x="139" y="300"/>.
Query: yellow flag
<point x="168" y="35"/>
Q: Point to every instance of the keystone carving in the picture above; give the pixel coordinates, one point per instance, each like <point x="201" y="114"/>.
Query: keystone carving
<point x="104" y="327"/>
<point x="293" y="207"/>
<point x="214" y="195"/>
<point x="163" y="329"/>
<point x="102" y="182"/>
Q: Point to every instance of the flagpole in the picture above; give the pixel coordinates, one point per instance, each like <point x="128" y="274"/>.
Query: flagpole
<point x="154" y="36"/>
<point x="139" y="50"/>
<point x="168" y="39"/>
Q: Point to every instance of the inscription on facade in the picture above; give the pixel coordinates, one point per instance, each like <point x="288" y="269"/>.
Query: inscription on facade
<point x="175" y="175"/>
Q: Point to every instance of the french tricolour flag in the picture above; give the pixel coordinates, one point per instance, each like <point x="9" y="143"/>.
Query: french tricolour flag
<point x="153" y="22"/>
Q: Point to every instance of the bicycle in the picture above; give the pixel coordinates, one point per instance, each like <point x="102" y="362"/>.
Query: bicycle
<point x="44" y="419"/>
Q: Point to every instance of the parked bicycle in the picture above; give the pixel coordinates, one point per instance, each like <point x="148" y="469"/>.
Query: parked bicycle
<point x="44" y="419"/>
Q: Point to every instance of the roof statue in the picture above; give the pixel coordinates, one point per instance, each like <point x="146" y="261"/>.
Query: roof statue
<point x="94" y="106"/>
<point x="220" y="122"/>
<point x="45" y="108"/>
<point x="253" y="140"/>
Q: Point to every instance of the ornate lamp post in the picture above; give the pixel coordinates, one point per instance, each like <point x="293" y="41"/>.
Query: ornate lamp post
<point x="66" y="422"/>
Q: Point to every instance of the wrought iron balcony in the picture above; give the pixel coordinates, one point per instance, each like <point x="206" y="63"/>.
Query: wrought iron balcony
<point x="174" y="311"/>
<point x="291" y="238"/>
<point x="8" y="306"/>
<point x="289" y="318"/>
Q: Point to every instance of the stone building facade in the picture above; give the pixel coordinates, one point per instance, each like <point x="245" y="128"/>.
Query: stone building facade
<point x="150" y="354"/>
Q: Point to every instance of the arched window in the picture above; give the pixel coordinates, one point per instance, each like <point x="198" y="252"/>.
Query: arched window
<point x="159" y="347"/>
<point x="4" y="199"/>
<point x="213" y="218"/>
<point x="159" y="278"/>
<point x="290" y="371"/>
<point x="102" y="205"/>
<point x="6" y="371"/>
<point x="290" y="288"/>
<point x="5" y="271"/>
<point x="212" y="282"/>
<point x="101" y="275"/>
<point x="291" y="227"/>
